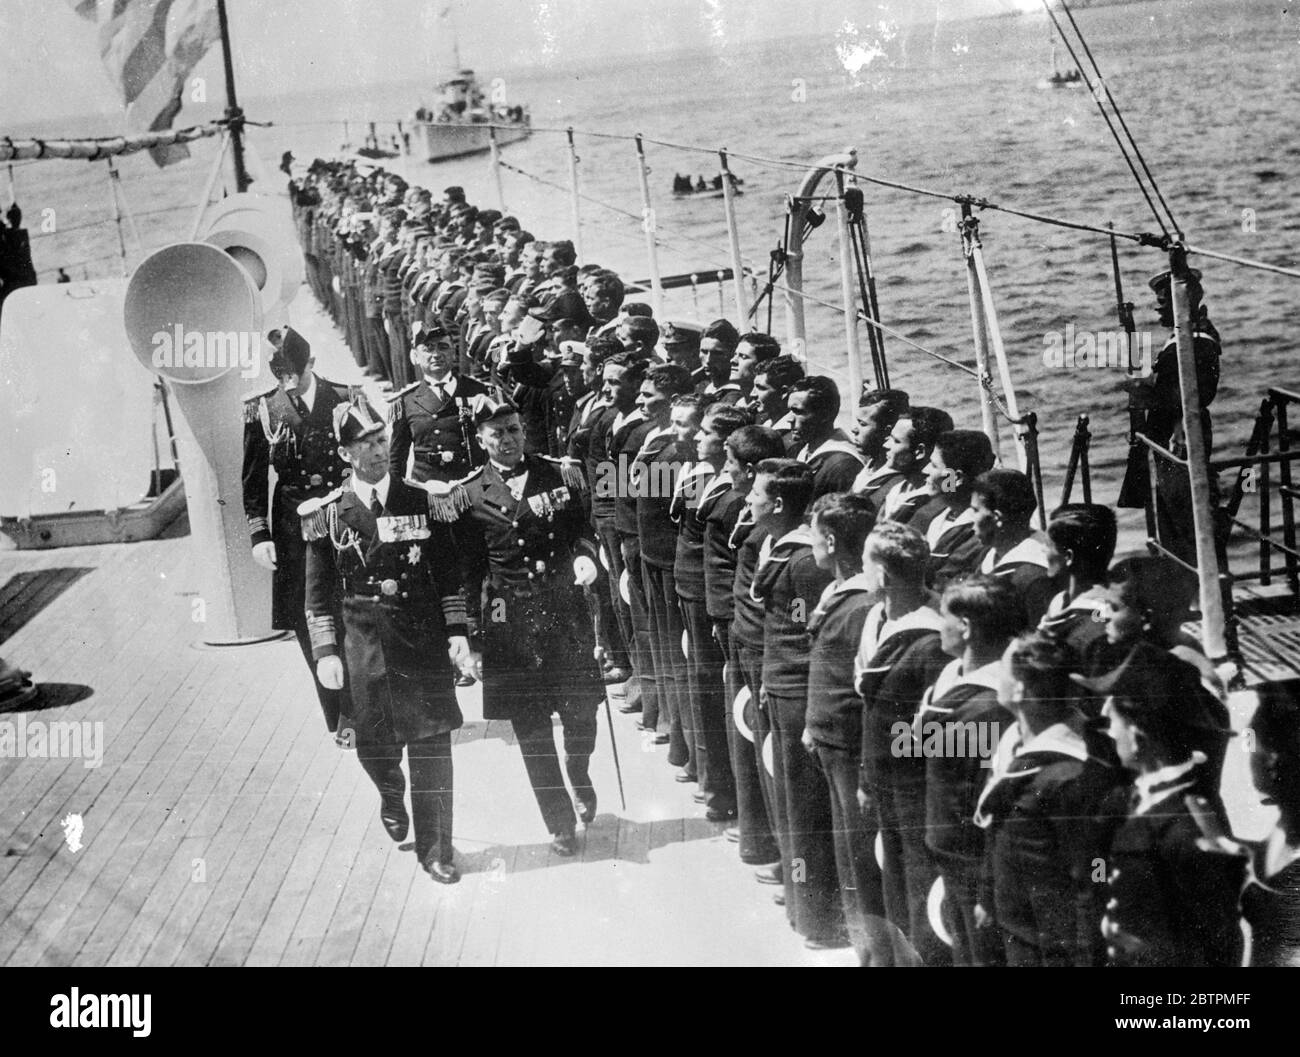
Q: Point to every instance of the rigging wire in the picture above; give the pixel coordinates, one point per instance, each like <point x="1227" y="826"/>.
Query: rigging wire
<point x="1106" y="117"/>
<point x="1120" y="115"/>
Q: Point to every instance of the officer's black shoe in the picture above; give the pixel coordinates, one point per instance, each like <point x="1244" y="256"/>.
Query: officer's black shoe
<point x="444" y="873"/>
<point x="722" y="814"/>
<point x="392" y="813"/>
<point x="565" y="844"/>
<point x="769" y="875"/>
<point x="465" y="679"/>
<point x="584" y="803"/>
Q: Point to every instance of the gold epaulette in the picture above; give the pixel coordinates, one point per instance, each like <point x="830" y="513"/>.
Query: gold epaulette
<point x="447" y="499"/>
<point x="253" y="404"/>
<point x="396" y="406"/>
<point x="570" y="470"/>
<point x="315" y="515"/>
<point x="402" y="392"/>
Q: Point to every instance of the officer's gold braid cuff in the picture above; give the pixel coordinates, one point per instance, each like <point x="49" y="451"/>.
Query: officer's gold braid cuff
<point x="453" y="610"/>
<point x="258" y="525"/>
<point x="324" y="640"/>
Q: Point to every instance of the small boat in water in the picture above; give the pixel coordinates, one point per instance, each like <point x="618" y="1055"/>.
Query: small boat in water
<point x="463" y="119"/>
<point x="684" y="188"/>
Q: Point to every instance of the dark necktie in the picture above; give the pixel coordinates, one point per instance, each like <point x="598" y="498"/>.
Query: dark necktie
<point x="299" y="405"/>
<point x="376" y="507"/>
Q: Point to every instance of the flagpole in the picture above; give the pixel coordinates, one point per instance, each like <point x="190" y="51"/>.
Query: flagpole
<point x="234" y="115"/>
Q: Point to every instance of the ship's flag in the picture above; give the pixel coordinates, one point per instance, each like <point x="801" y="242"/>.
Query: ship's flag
<point x="149" y="48"/>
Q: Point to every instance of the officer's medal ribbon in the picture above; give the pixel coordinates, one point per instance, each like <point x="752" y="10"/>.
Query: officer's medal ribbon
<point x="400" y="529"/>
<point x="541" y="505"/>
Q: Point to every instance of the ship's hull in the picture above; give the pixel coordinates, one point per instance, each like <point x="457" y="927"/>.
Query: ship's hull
<point x="436" y="141"/>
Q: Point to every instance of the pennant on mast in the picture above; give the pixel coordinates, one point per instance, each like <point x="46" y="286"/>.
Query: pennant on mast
<point x="149" y="48"/>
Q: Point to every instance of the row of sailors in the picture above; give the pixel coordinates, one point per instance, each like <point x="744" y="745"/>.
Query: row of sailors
<point x="708" y="562"/>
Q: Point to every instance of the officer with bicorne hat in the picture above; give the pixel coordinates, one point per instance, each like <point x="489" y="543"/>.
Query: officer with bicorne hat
<point x="290" y="427"/>
<point x="521" y="535"/>
<point x="388" y="570"/>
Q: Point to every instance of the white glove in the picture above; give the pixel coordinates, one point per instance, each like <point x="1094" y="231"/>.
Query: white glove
<point x="458" y="651"/>
<point x="329" y="670"/>
<point x="264" y="555"/>
<point x="584" y="571"/>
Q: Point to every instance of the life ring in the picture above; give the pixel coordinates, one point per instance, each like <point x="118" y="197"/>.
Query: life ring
<point x="604" y="557"/>
<point x="623" y="589"/>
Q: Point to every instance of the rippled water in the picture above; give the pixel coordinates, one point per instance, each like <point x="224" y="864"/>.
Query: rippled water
<point x="1209" y="88"/>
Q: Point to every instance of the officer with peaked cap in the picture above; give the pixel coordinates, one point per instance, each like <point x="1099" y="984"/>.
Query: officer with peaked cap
<point x="379" y="563"/>
<point x="433" y="419"/>
<point x="528" y="563"/>
<point x="290" y="427"/>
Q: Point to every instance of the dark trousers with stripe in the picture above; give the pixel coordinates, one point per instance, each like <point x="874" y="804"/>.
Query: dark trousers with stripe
<point x="429" y="760"/>
<point x="671" y="678"/>
<point x="804" y="826"/>
<point x="707" y="701"/>
<point x="754" y="793"/>
<point x="534" y="731"/>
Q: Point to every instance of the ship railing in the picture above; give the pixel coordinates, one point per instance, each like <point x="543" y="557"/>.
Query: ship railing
<point x="1256" y="476"/>
<point x="1078" y="464"/>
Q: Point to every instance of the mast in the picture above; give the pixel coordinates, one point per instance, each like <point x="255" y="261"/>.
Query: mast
<point x="234" y="115"/>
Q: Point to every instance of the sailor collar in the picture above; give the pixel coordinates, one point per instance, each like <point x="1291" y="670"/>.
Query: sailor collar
<point x="1155" y="786"/>
<point x="867" y="475"/>
<point x="624" y="418"/>
<point x="1090" y="601"/>
<point x="690" y="472"/>
<point x="878" y="629"/>
<point x="952" y="677"/>
<point x="795" y="537"/>
<point x="836" y="442"/>
<point x="945" y="521"/>
<point x="1029" y="551"/>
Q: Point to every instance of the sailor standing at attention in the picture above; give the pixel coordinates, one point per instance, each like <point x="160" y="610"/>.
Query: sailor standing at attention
<point x="291" y="428"/>
<point x="434" y="417"/>
<point x="376" y="557"/>
<point x="522" y="540"/>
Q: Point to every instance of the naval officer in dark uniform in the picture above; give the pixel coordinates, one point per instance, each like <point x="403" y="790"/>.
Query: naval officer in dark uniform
<point x="435" y="416"/>
<point x="291" y="428"/>
<point x="528" y="564"/>
<point x="375" y="556"/>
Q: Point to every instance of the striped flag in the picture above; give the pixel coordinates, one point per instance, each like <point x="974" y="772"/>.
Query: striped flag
<point x="149" y="48"/>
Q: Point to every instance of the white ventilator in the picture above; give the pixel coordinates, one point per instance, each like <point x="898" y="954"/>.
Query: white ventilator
<point x="183" y="306"/>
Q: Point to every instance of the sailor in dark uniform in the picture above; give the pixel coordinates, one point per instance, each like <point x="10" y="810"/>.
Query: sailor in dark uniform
<point x="434" y="417"/>
<point x="290" y="427"/>
<point x="835" y="460"/>
<point x="528" y="563"/>
<point x="1160" y="397"/>
<point x="375" y="555"/>
<point x="718" y="343"/>
<point x="1173" y="895"/>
